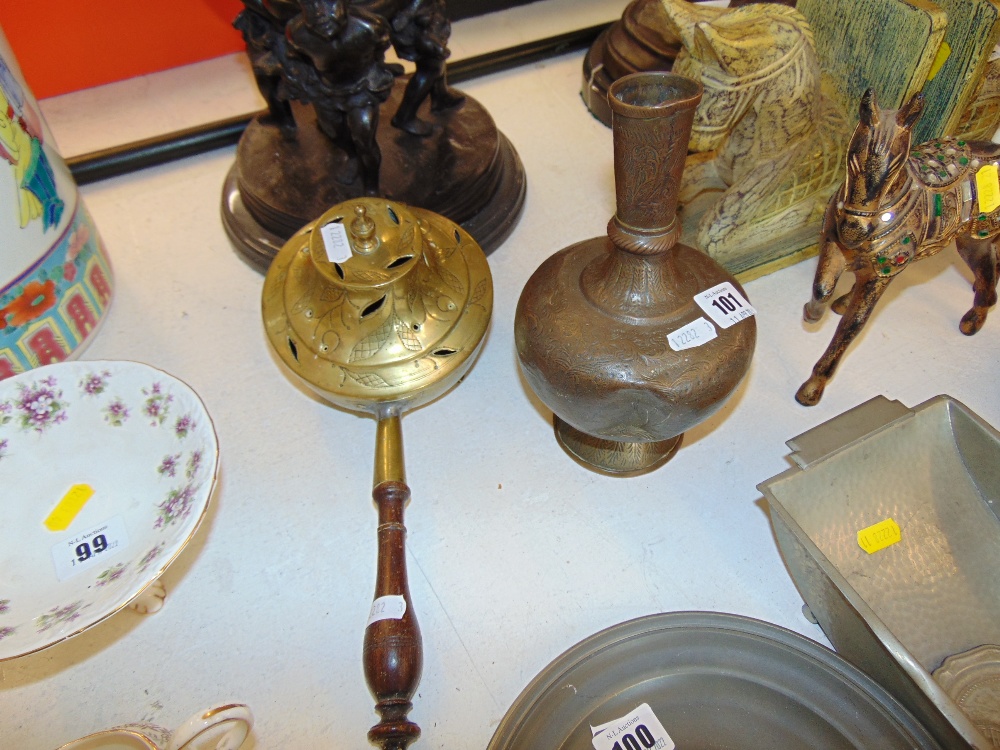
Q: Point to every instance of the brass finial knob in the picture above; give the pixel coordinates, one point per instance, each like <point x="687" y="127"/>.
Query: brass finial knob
<point x="363" y="231"/>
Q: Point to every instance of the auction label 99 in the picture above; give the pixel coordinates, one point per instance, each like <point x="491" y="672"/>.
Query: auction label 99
<point x="92" y="547"/>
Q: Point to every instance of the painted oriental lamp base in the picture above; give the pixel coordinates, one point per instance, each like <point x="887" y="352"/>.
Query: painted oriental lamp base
<point x="465" y="170"/>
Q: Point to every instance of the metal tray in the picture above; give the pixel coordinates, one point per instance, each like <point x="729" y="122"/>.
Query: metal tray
<point x="923" y="615"/>
<point x="715" y="681"/>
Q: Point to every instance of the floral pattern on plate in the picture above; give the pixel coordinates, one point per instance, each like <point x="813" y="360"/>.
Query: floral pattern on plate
<point x="184" y="425"/>
<point x="176" y="507"/>
<point x="89" y="423"/>
<point x="111" y="574"/>
<point x="37" y="406"/>
<point x="93" y="384"/>
<point x="146" y="560"/>
<point x="168" y="466"/>
<point x="157" y="405"/>
<point x="58" y="615"/>
<point x="194" y="463"/>
<point x="115" y="413"/>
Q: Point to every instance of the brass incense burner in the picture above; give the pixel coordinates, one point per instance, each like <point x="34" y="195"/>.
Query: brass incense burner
<point x="379" y="308"/>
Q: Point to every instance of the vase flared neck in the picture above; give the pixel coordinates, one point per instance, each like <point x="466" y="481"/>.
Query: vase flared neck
<point x="652" y="114"/>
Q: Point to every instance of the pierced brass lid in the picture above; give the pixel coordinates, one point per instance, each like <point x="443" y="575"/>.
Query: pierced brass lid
<point x="377" y="305"/>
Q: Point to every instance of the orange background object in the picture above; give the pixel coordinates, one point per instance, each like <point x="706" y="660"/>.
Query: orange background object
<point x="67" y="45"/>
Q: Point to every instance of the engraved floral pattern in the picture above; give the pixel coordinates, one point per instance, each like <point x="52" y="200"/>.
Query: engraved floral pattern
<point x="433" y="312"/>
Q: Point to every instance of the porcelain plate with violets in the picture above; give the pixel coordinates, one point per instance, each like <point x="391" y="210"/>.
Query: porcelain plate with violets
<point x="106" y="470"/>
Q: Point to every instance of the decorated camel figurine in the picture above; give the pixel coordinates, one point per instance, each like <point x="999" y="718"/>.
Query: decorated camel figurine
<point x="898" y="205"/>
<point x="769" y="144"/>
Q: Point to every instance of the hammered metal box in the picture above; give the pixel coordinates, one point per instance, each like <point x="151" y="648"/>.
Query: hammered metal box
<point x="922" y="616"/>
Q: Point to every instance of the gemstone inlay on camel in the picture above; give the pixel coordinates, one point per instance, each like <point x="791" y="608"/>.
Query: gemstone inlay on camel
<point x="897" y="206"/>
<point x="769" y="143"/>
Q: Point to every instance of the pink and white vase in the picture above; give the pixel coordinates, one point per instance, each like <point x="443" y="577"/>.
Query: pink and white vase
<point x="55" y="278"/>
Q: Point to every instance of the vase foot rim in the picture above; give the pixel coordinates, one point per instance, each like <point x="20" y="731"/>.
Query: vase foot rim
<point x="614" y="457"/>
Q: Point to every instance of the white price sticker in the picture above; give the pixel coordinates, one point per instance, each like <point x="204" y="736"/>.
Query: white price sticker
<point x="92" y="547"/>
<point x="639" y="730"/>
<point x="387" y="608"/>
<point x="725" y="305"/>
<point x="335" y="242"/>
<point x="693" y="334"/>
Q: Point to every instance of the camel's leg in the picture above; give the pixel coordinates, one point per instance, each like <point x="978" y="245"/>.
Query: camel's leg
<point x="981" y="256"/>
<point x="840" y="304"/>
<point x="867" y="291"/>
<point x="828" y="271"/>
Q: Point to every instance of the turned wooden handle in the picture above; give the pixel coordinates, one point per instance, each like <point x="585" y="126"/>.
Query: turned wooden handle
<point x="393" y="654"/>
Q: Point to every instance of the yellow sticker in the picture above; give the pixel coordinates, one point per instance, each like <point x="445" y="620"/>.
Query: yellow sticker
<point x="943" y="53"/>
<point x="988" y="187"/>
<point x="879" y="536"/>
<point x="72" y="503"/>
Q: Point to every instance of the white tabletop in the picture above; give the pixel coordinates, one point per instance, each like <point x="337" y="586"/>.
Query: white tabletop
<point x="515" y="552"/>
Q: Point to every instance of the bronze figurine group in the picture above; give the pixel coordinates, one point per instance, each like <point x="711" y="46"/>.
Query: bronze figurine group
<point x="343" y="122"/>
<point x="331" y="54"/>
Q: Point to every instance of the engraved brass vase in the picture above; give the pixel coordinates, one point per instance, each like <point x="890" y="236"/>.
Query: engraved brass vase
<point x="593" y="321"/>
<point x="379" y="308"/>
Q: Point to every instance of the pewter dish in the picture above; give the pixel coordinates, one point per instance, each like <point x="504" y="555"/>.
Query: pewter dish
<point x="715" y="682"/>
<point x="921" y="616"/>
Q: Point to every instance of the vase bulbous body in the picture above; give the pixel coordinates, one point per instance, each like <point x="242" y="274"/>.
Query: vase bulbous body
<point x="593" y="324"/>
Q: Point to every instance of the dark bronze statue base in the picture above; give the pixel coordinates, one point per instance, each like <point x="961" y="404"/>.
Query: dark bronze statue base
<point x="637" y="42"/>
<point x="465" y="170"/>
